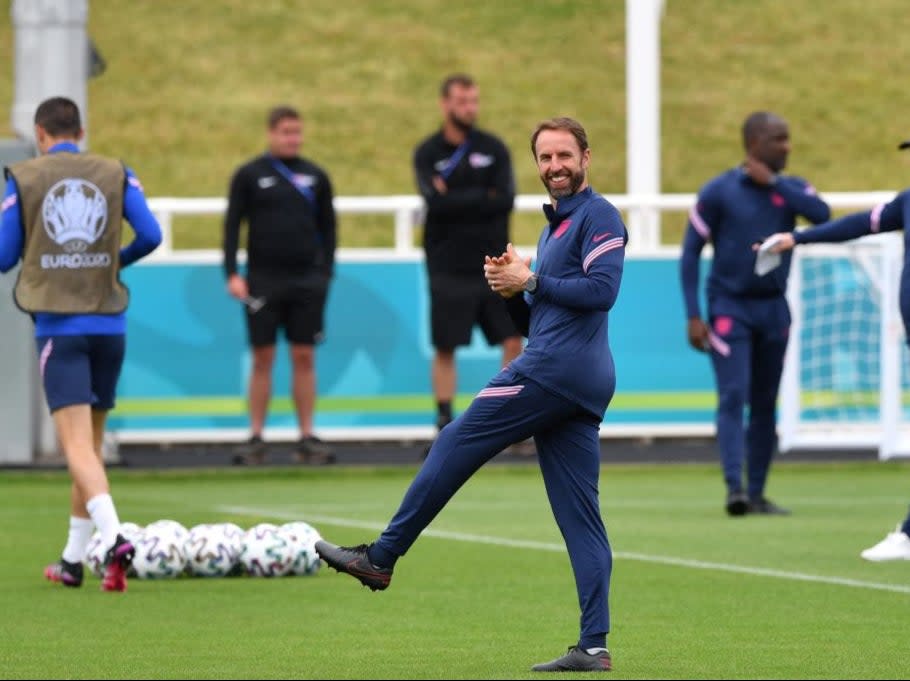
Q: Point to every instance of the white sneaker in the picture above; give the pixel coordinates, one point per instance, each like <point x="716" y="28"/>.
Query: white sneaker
<point x="896" y="546"/>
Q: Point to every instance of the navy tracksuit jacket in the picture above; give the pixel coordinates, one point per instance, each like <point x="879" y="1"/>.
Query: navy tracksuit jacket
<point x="748" y="315"/>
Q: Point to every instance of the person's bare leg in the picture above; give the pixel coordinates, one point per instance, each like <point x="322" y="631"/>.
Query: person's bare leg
<point x="511" y="348"/>
<point x="310" y="449"/>
<point x="260" y="388"/>
<point x="303" y="385"/>
<point x="75" y="429"/>
<point x="77" y="498"/>
<point x="81" y="526"/>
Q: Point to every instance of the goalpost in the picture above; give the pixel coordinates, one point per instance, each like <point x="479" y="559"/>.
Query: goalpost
<point x="846" y="381"/>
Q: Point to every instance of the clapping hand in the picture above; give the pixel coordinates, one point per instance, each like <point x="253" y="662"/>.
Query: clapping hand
<point x="507" y="273"/>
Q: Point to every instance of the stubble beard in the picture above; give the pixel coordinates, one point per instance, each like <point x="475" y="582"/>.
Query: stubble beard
<point x="575" y="182"/>
<point x="461" y="124"/>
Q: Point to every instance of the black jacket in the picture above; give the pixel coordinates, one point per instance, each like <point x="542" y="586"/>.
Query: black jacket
<point x="471" y="219"/>
<point x="288" y="234"/>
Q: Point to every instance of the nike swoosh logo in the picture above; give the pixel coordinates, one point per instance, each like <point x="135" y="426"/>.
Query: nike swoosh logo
<point x="600" y="237"/>
<point x="353" y="569"/>
<point x="266" y="182"/>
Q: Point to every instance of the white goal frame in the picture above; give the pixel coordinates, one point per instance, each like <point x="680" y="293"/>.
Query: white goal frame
<point x="890" y="433"/>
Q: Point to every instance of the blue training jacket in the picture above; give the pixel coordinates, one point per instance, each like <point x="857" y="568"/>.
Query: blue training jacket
<point x="579" y="268"/>
<point x="137" y="214"/>
<point x="734" y="212"/>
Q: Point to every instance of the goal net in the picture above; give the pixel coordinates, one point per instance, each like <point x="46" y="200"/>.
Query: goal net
<point x="846" y="380"/>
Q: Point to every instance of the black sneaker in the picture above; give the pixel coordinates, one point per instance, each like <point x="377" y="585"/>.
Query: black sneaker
<point x="250" y="453"/>
<point x="764" y="506"/>
<point x="64" y="572"/>
<point x="737" y="503"/>
<point x="355" y="561"/>
<point x="311" y="449"/>
<point x="577" y="660"/>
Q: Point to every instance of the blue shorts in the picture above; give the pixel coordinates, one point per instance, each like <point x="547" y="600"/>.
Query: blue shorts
<point x="81" y="369"/>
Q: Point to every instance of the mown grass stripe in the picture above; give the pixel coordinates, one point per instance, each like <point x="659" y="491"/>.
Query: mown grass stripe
<point x="656" y="401"/>
<point x="231" y="406"/>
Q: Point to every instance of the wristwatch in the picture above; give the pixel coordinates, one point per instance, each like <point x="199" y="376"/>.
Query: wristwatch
<point x="531" y="284"/>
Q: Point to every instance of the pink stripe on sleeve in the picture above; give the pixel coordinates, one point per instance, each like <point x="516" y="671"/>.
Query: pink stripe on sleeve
<point x="618" y="242"/>
<point x="699" y="224"/>
<point x="875" y="217"/>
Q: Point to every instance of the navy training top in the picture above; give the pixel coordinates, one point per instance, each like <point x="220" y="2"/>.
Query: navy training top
<point x="734" y="212"/>
<point x="579" y="267"/>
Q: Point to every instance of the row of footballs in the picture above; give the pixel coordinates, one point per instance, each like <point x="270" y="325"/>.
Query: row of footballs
<point x="167" y="549"/>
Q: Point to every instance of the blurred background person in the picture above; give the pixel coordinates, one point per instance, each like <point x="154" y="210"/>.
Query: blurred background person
<point x="62" y="215"/>
<point x="286" y="202"/>
<point x="464" y="175"/>
<point x="748" y="316"/>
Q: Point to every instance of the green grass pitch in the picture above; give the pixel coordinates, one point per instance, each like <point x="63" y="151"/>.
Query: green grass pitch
<point x="487" y="591"/>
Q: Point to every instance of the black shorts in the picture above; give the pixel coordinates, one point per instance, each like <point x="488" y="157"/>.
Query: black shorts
<point x="80" y="369"/>
<point x="457" y="303"/>
<point x="295" y="307"/>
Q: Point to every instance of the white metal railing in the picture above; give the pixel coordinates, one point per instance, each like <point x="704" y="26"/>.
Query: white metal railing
<point x="642" y="212"/>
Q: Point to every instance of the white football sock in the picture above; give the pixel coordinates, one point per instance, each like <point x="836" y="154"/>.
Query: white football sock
<point x="103" y="513"/>
<point x="80" y="535"/>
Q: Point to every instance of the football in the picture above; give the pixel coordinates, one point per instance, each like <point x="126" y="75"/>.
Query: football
<point x="209" y="551"/>
<point x="303" y="537"/>
<point x="268" y="551"/>
<point x="159" y="551"/>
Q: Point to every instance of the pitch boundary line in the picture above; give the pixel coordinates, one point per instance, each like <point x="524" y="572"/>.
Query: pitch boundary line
<point x="560" y="548"/>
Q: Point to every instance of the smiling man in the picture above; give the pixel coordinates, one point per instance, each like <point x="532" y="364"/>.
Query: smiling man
<point x="556" y="391"/>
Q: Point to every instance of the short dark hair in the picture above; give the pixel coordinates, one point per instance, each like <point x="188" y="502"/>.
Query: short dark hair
<point x="755" y="124"/>
<point x="59" y="117"/>
<point x="560" y="123"/>
<point x="461" y="79"/>
<point x="279" y="113"/>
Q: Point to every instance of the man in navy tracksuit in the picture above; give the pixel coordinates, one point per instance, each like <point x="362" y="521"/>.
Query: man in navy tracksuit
<point x="62" y="215"/>
<point x="886" y="217"/>
<point x="748" y="317"/>
<point x="557" y="391"/>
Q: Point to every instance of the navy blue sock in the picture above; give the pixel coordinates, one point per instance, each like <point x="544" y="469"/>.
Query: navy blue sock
<point x="380" y="557"/>
<point x="905" y="528"/>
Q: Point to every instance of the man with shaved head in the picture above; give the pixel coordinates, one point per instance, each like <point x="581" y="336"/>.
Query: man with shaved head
<point x="748" y="322"/>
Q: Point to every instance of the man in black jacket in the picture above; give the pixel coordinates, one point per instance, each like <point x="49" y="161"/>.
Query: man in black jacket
<point x="465" y="176"/>
<point x="286" y="201"/>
